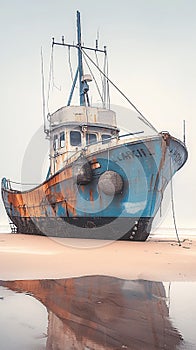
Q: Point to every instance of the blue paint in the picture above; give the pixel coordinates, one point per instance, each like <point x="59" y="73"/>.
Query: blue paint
<point x="136" y="175"/>
<point x="72" y="89"/>
<point x="145" y="166"/>
<point x="145" y="171"/>
<point x="48" y="173"/>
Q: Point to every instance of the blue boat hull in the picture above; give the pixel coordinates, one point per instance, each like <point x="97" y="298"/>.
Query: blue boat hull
<point x="110" y="194"/>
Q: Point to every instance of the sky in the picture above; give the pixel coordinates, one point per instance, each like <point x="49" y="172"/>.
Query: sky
<point x="152" y="55"/>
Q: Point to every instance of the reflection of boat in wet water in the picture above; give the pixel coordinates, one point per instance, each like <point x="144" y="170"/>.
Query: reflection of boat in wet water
<point x="100" y="312"/>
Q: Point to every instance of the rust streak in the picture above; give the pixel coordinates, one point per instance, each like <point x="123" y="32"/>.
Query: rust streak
<point x="91" y="195"/>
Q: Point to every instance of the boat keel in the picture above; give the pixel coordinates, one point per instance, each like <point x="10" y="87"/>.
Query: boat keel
<point x="104" y="228"/>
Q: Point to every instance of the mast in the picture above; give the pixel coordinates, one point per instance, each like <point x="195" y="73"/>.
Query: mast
<point x="83" y="79"/>
<point x="80" y="68"/>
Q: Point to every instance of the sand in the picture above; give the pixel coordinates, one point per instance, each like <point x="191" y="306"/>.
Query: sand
<point x="37" y="257"/>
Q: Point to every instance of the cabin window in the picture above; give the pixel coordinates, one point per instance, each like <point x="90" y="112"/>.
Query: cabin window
<point x="75" y="138"/>
<point x="62" y="139"/>
<point x="105" y="138"/>
<point x="55" y="142"/>
<point x="91" y="138"/>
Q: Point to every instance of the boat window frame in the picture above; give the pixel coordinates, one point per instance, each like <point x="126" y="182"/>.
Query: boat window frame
<point x="79" y="144"/>
<point x="55" y="142"/>
<point x="91" y="143"/>
<point x="107" y="139"/>
<point x="62" y="140"/>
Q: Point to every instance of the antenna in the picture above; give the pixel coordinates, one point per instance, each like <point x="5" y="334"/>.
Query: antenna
<point x="83" y="84"/>
<point x="43" y="94"/>
<point x="97" y="40"/>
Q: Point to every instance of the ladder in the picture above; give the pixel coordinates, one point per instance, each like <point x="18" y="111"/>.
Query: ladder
<point x="13" y="227"/>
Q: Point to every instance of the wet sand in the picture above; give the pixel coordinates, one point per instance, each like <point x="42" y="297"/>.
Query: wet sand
<point x="92" y="312"/>
<point x="34" y="257"/>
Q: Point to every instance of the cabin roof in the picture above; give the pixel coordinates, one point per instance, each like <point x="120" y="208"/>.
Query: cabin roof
<point x="84" y="115"/>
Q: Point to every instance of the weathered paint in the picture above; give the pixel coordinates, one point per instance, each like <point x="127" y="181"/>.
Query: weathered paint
<point x="145" y="167"/>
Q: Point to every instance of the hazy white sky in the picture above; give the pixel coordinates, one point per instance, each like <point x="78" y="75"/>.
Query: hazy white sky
<point x="152" y="55"/>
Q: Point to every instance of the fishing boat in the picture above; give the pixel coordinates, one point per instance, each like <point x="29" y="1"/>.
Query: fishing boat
<point x="101" y="183"/>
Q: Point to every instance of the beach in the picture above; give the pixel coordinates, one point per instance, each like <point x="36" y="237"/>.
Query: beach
<point x="97" y="294"/>
<point x="35" y="257"/>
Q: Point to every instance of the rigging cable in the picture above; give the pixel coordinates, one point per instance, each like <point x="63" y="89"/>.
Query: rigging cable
<point x="97" y="86"/>
<point x="70" y="66"/>
<point x="97" y="61"/>
<point x="43" y="93"/>
<point x="50" y="78"/>
<point x="172" y="202"/>
<point x="107" y="82"/>
<point x="142" y="117"/>
<point x="104" y="81"/>
<point x="23" y="183"/>
<point x="86" y="110"/>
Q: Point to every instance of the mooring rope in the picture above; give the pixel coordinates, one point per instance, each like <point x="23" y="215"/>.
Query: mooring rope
<point x="172" y="203"/>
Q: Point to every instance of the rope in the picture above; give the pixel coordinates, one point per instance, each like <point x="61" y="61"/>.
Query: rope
<point x="97" y="86"/>
<point x="108" y="157"/>
<point x="101" y="77"/>
<point x="20" y="183"/>
<point x="142" y="117"/>
<point x="172" y="203"/>
<point x="50" y="78"/>
<point x="107" y="82"/>
<point x="70" y="66"/>
<point x="43" y="92"/>
<point x="86" y="110"/>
